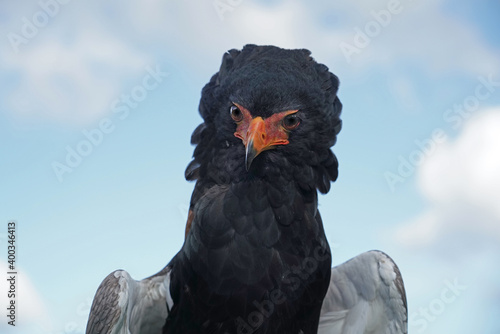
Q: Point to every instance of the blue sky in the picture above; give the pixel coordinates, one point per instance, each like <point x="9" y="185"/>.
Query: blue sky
<point x="420" y="88"/>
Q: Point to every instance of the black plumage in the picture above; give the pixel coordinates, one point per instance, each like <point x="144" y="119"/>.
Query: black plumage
<point x="255" y="257"/>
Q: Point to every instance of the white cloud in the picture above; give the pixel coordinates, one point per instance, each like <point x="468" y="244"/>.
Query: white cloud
<point x="461" y="181"/>
<point x="78" y="64"/>
<point x="458" y="234"/>
<point x="70" y="70"/>
<point x="421" y="32"/>
<point x="424" y="34"/>
<point x="31" y="311"/>
<point x="72" y="82"/>
<point x="421" y="35"/>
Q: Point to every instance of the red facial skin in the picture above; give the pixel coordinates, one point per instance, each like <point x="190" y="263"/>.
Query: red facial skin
<point x="261" y="133"/>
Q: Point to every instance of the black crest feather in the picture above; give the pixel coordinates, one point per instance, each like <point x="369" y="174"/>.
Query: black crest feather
<point x="262" y="77"/>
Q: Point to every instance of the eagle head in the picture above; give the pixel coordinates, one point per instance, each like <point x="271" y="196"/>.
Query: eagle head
<point x="268" y="112"/>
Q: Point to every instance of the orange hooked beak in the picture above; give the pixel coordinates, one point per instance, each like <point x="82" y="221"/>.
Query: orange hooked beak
<point x="258" y="140"/>
<point x="259" y="135"/>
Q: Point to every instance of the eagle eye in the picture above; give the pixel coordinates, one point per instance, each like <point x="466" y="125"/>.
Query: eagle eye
<point x="291" y="122"/>
<point x="236" y="113"/>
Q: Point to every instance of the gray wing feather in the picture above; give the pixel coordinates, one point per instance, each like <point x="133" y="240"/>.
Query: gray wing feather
<point x="123" y="306"/>
<point x="366" y="295"/>
<point x="105" y="312"/>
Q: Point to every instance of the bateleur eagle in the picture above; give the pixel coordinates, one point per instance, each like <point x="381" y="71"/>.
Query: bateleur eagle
<point x="255" y="257"/>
